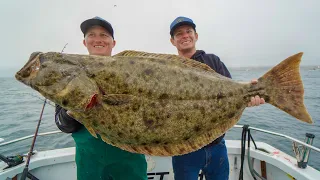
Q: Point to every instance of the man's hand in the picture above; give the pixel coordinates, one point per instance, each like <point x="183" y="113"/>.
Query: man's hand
<point x="255" y="101"/>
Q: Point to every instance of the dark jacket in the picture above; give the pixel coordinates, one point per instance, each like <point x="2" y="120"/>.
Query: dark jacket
<point x="65" y="122"/>
<point x="214" y="62"/>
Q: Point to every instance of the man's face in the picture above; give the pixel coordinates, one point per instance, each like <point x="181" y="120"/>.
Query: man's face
<point x="99" y="41"/>
<point x="184" y="38"/>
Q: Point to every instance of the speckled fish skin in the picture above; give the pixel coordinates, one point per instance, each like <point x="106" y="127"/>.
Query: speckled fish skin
<point x="157" y="104"/>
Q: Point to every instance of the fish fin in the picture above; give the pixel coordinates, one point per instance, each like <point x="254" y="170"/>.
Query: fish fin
<point x="184" y="147"/>
<point x="91" y="131"/>
<point x="284" y="88"/>
<point x="116" y="99"/>
<point x="106" y="140"/>
<point x="123" y="53"/>
<point x="93" y="101"/>
<point x="186" y="61"/>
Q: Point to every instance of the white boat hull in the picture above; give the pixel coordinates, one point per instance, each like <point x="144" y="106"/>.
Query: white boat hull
<point x="59" y="164"/>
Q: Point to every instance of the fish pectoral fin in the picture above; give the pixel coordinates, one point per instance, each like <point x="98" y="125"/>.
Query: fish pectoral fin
<point x="116" y="99"/>
<point x="91" y="131"/>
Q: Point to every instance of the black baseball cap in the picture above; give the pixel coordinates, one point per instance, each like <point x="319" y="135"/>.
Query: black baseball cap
<point x="96" y="21"/>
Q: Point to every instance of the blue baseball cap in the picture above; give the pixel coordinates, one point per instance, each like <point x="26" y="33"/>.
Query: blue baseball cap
<point x="179" y="21"/>
<point x="96" y="21"/>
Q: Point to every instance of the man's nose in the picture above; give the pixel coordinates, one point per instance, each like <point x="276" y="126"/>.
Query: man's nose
<point x="98" y="39"/>
<point x="185" y="34"/>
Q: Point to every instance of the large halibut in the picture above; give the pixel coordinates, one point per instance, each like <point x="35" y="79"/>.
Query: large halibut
<point x="157" y="104"/>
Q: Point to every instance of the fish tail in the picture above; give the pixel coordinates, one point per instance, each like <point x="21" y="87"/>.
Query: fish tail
<point x="284" y="88"/>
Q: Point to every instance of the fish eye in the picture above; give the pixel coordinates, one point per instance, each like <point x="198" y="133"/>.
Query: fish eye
<point x="34" y="67"/>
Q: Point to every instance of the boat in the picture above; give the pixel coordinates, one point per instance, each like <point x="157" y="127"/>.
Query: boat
<point x="261" y="161"/>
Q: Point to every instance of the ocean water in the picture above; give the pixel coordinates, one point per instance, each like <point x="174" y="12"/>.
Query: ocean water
<point x="20" y="108"/>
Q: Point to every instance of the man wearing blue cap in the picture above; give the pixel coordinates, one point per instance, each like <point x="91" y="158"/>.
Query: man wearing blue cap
<point x="96" y="159"/>
<point x="213" y="158"/>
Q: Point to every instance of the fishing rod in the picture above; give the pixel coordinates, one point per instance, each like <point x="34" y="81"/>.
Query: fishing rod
<point x="48" y="101"/>
<point x="26" y="172"/>
<point x="26" y="168"/>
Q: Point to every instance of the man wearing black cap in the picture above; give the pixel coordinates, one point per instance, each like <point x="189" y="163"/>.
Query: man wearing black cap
<point x="213" y="158"/>
<point x="96" y="159"/>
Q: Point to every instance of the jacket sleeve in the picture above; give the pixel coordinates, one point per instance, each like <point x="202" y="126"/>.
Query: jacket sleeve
<point x="65" y="122"/>
<point x="214" y="62"/>
<point x="223" y="70"/>
<point x="221" y="67"/>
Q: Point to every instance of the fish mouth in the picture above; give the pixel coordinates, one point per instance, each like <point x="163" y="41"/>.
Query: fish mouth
<point x="30" y="69"/>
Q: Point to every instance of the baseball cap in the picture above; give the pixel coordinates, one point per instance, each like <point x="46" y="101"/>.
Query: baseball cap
<point x="179" y="21"/>
<point x="96" y="21"/>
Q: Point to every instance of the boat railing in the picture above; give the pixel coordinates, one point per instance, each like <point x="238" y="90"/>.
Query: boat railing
<point x="28" y="137"/>
<point x="280" y="135"/>
<point x="301" y="151"/>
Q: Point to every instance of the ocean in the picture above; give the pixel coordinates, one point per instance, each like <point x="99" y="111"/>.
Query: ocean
<point x="20" y="108"/>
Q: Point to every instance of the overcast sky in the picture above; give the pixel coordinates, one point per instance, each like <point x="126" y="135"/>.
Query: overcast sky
<point x="240" y="32"/>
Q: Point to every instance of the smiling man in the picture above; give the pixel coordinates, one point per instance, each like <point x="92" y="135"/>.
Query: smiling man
<point x="213" y="158"/>
<point x="96" y="159"/>
<point x="98" y="37"/>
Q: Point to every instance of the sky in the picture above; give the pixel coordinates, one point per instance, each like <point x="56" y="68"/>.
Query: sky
<point x="243" y="33"/>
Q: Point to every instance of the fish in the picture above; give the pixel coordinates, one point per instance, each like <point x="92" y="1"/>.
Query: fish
<point x="157" y="104"/>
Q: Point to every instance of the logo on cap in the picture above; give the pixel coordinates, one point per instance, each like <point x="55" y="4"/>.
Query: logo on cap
<point x="180" y="20"/>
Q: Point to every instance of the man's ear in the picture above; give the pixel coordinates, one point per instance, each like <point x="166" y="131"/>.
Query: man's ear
<point x="172" y="41"/>
<point x="114" y="43"/>
<point x="84" y="42"/>
<point x="196" y="35"/>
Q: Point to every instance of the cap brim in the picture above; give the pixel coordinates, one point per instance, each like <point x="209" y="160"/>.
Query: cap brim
<point x="86" y="25"/>
<point x="181" y="24"/>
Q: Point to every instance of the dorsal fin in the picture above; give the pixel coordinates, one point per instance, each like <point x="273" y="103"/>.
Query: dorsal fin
<point x="187" y="61"/>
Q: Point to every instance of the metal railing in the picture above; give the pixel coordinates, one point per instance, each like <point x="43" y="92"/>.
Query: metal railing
<point x="281" y="135"/>
<point x="28" y="137"/>
<point x="301" y="149"/>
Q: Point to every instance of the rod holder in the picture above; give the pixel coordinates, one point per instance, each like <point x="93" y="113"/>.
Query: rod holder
<point x="302" y="152"/>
